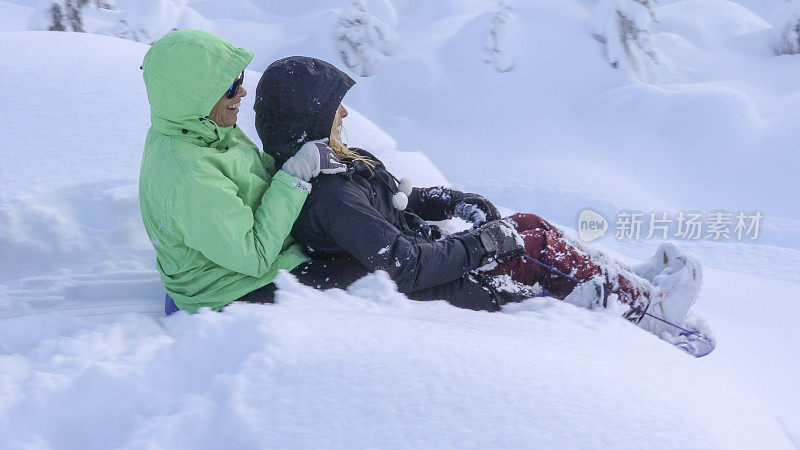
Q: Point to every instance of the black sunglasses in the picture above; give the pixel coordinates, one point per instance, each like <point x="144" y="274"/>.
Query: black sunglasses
<point x="235" y="86"/>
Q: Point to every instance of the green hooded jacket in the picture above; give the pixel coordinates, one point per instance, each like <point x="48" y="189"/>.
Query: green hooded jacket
<point x="217" y="212"/>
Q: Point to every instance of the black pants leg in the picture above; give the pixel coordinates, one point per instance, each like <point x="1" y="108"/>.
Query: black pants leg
<point x="471" y="291"/>
<point x="466" y="292"/>
<point x="338" y="271"/>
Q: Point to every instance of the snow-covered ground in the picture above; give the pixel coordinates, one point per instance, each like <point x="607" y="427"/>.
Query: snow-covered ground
<point x="87" y="359"/>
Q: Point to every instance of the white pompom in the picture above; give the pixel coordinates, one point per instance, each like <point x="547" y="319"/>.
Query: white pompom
<point x="400" y="200"/>
<point x="405" y="186"/>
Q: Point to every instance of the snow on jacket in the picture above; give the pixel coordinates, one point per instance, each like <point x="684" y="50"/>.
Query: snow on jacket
<point x="353" y="213"/>
<point x="217" y="212"/>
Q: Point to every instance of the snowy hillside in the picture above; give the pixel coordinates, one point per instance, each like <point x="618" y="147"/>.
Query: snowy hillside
<point x="87" y="359"/>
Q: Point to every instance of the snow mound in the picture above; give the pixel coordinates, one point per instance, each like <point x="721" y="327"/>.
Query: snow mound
<point x="364" y="365"/>
<point x="709" y="23"/>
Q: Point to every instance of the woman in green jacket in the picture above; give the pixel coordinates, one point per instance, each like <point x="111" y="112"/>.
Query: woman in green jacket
<point x="216" y="210"/>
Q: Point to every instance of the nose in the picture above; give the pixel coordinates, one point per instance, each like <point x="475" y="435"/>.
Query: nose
<point x="241" y="92"/>
<point x="343" y="112"/>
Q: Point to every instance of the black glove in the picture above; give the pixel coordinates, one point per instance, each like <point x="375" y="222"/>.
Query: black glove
<point x="440" y="203"/>
<point x="500" y="240"/>
<point x="428" y="231"/>
<point x="475" y="209"/>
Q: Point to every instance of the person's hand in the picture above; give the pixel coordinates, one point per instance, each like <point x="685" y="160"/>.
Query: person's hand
<point x="440" y="203"/>
<point x="500" y="240"/>
<point x="312" y="159"/>
<point x="475" y="209"/>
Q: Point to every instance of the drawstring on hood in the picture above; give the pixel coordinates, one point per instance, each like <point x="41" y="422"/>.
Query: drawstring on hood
<point x="400" y="198"/>
<point x="401" y="188"/>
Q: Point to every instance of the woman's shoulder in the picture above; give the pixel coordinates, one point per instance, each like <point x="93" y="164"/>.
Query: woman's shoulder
<point x="367" y="155"/>
<point x="330" y="190"/>
<point x="334" y="188"/>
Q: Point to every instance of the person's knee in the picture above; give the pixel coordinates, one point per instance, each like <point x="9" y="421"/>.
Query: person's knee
<point x="526" y="221"/>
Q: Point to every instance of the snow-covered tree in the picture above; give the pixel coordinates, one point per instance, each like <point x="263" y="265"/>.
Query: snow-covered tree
<point x="67" y="15"/>
<point x="499" y="41"/>
<point x="623" y="26"/>
<point x="362" y="39"/>
<point x="787" y="27"/>
<point x="138" y="20"/>
<point x="146" y="20"/>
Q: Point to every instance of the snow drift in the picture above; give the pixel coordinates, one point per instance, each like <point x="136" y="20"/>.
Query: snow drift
<point x="88" y="360"/>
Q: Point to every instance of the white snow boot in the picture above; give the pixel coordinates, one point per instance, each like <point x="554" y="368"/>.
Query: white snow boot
<point x="590" y="294"/>
<point x="677" y="285"/>
<point x="665" y="255"/>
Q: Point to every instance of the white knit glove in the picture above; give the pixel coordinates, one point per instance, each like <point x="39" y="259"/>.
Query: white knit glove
<point x="312" y="159"/>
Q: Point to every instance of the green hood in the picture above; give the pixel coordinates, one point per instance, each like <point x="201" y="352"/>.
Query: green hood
<point x="186" y="72"/>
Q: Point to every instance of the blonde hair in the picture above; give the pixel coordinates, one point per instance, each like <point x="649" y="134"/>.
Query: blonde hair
<point x="338" y="147"/>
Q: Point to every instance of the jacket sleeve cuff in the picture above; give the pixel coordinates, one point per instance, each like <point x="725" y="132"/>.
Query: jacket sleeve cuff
<point x="474" y="248"/>
<point x="293" y="181"/>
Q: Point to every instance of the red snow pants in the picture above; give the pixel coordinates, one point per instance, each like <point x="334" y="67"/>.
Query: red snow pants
<point x="547" y="244"/>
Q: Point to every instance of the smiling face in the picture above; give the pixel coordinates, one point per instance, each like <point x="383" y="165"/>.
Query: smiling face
<point x="225" y="111"/>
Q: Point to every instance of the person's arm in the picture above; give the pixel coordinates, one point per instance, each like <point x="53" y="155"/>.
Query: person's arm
<point x="441" y="203"/>
<point x="346" y="217"/>
<point x="216" y="222"/>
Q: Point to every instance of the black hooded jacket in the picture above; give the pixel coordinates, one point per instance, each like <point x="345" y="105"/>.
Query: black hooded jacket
<point x="352" y="212"/>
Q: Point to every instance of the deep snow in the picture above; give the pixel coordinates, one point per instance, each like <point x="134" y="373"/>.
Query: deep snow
<point x="87" y="360"/>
